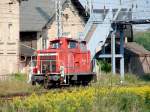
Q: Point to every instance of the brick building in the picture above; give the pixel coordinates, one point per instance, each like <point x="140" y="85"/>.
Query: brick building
<point x="9" y="36"/>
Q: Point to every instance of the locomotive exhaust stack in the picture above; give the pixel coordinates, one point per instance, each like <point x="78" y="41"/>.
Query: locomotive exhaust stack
<point x="66" y="61"/>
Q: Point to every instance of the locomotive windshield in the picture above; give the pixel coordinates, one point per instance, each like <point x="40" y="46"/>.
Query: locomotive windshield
<point x="72" y="44"/>
<point x="83" y="46"/>
<point x="55" y="45"/>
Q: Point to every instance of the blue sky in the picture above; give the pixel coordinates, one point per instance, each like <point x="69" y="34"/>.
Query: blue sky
<point x="141" y="7"/>
<point x="99" y="3"/>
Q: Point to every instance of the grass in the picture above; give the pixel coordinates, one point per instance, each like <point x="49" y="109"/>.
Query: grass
<point x="115" y="80"/>
<point x="108" y="94"/>
<point x="17" y="84"/>
<point x="85" y="99"/>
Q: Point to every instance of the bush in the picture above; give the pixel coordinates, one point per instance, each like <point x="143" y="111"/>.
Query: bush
<point x="143" y="39"/>
<point x="16" y="84"/>
<point x="104" y="96"/>
<point x="89" y="99"/>
<point x="104" y="66"/>
<point x="19" y="77"/>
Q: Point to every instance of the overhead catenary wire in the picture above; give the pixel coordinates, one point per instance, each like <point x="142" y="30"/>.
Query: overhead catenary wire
<point x="38" y="21"/>
<point x="30" y="14"/>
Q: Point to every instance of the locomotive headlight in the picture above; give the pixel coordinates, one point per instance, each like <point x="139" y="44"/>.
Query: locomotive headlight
<point x="56" y="78"/>
<point x="83" y="61"/>
<point x="61" y="42"/>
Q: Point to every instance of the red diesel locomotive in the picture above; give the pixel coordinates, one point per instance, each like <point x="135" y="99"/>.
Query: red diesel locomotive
<point x="66" y="61"/>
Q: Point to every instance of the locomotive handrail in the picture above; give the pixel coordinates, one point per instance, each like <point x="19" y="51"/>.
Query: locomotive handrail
<point x="65" y="67"/>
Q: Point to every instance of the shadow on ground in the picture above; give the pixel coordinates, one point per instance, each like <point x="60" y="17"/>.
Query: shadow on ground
<point x="145" y="77"/>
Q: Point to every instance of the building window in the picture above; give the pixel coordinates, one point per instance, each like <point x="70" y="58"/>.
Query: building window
<point x="0" y="33"/>
<point x="10" y="6"/>
<point x="9" y="31"/>
<point x="66" y="16"/>
<point x="83" y="46"/>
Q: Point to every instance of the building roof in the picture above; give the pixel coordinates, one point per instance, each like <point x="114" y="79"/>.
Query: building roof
<point x="26" y="50"/>
<point x="136" y="49"/>
<point x="35" y="14"/>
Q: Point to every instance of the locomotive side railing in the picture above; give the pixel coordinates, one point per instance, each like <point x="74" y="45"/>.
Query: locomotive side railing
<point x="49" y="65"/>
<point x="53" y="66"/>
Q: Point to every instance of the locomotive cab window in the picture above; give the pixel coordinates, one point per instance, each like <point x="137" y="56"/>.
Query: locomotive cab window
<point x="83" y="46"/>
<point x="55" y="45"/>
<point x="72" y="44"/>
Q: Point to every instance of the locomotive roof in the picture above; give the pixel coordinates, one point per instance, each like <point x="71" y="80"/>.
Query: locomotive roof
<point x="66" y="38"/>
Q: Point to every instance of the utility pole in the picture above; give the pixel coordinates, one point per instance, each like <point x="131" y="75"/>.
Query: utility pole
<point x="113" y="52"/>
<point x="59" y="18"/>
<point x="91" y="7"/>
<point x="120" y="1"/>
<point x="122" y="53"/>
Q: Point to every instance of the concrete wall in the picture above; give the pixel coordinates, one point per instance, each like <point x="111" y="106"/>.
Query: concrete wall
<point x="72" y="25"/>
<point x="9" y="36"/>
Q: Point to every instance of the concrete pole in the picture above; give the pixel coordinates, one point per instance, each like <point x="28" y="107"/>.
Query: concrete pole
<point x="120" y="1"/>
<point x="122" y="53"/>
<point x="91" y="7"/>
<point x="113" y="49"/>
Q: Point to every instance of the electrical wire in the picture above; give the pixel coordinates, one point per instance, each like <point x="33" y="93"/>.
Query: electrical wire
<point x="38" y="21"/>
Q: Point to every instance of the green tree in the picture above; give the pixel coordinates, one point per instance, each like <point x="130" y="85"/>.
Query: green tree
<point x="143" y="38"/>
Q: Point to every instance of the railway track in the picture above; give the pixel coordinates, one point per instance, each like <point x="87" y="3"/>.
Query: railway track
<point x="24" y="95"/>
<point x="20" y="95"/>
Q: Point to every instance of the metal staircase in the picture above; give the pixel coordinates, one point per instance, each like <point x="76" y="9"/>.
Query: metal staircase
<point x="114" y="21"/>
<point x="91" y="26"/>
<point x="97" y="30"/>
<point x="91" y="31"/>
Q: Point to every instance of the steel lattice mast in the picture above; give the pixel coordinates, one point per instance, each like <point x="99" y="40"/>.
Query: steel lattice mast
<point x="59" y="18"/>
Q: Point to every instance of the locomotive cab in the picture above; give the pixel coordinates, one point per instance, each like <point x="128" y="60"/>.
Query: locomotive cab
<point x="66" y="61"/>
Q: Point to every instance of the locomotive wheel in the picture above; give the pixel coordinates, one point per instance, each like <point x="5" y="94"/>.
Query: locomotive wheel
<point x="46" y="83"/>
<point x="85" y="83"/>
<point x="33" y="83"/>
<point x="94" y="78"/>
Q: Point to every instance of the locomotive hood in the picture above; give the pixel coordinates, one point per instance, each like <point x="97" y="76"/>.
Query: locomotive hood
<point x="47" y="52"/>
